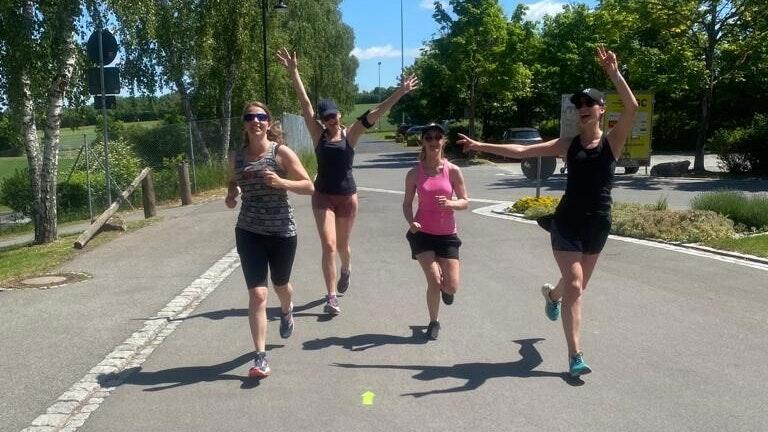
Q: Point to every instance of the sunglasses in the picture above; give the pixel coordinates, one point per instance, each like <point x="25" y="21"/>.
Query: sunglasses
<point x="262" y="117"/>
<point x="329" y="117"/>
<point x="432" y="137"/>
<point x="585" y="102"/>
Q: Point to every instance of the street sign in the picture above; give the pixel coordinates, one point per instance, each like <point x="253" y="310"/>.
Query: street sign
<point x="108" y="43"/>
<point x="111" y="102"/>
<point x="111" y="80"/>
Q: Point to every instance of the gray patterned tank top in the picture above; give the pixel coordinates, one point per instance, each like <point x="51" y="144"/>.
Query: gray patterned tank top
<point x="264" y="210"/>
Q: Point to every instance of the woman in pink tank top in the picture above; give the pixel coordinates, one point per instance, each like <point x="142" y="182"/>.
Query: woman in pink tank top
<point x="439" y="185"/>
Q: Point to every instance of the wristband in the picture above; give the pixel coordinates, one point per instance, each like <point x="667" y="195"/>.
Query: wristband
<point x="364" y="120"/>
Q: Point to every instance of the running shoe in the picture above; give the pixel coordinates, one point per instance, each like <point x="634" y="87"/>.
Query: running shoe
<point x="447" y="298"/>
<point x="260" y="368"/>
<point x="343" y="284"/>
<point x="577" y="365"/>
<point x="286" y="323"/>
<point x="551" y="307"/>
<point x="433" y="330"/>
<point x="332" y="305"/>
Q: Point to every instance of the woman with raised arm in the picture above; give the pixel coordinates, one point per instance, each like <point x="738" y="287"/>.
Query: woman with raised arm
<point x="582" y="220"/>
<point x="440" y="187"/>
<point x="263" y="171"/>
<point x="334" y="202"/>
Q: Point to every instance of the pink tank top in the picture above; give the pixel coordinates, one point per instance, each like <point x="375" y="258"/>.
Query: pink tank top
<point x="432" y="218"/>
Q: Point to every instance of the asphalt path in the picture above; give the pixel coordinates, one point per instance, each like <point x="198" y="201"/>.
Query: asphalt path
<point x="676" y="341"/>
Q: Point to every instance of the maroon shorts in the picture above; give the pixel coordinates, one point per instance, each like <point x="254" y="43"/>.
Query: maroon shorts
<point x="341" y="205"/>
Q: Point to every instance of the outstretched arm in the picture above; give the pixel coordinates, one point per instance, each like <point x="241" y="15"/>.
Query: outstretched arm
<point x="289" y="61"/>
<point x="617" y="136"/>
<point x="358" y="128"/>
<point x="555" y="147"/>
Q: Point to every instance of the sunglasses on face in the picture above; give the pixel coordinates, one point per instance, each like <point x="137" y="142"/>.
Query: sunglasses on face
<point x="262" y="117"/>
<point x="589" y="103"/>
<point x="329" y="117"/>
<point x="429" y="138"/>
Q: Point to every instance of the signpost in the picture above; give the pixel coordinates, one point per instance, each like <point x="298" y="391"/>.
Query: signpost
<point x="104" y="84"/>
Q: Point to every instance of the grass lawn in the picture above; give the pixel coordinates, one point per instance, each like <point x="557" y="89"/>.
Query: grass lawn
<point x="754" y="245"/>
<point x="21" y="261"/>
<point x="10" y="164"/>
<point x="350" y="118"/>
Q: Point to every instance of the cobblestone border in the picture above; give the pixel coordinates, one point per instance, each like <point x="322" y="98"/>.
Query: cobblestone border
<point x="74" y="406"/>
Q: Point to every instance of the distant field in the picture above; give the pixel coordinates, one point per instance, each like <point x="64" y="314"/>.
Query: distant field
<point x="361" y="108"/>
<point x="73" y="138"/>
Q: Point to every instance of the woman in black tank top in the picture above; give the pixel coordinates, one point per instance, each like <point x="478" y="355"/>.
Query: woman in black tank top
<point x="582" y="220"/>
<point x="334" y="202"/>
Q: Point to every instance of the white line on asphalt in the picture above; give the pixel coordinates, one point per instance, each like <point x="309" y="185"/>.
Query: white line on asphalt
<point x="497" y="211"/>
<point x="389" y="191"/>
<point x="73" y="408"/>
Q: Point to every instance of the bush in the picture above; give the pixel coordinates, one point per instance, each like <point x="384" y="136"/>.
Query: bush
<point x="750" y="212"/>
<point x="549" y="128"/>
<point x="635" y="220"/>
<point x="153" y="144"/>
<point x="16" y="192"/>
<point x="743" y="150"/>
<point x="535" y="206"/>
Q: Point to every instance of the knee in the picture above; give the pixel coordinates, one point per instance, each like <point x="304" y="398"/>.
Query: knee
<point x="257" y="296"/>
<point x="450" y="285"/>
<point x="573" y="288"/>
<point x="329" y="248"/>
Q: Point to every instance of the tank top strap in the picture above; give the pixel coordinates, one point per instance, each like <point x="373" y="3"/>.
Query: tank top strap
<point x="446" y="169"/>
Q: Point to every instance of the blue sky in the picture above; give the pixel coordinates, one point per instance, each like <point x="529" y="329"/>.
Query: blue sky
<point x="377" y="32"/>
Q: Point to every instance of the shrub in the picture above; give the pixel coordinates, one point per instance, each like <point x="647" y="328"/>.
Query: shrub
<point x="750" y="212"/>
<point x="16" y="192"/>
<point x="153" y="144"/>
<point x="636" y="220"/>
<point x="743" y="150"/>
<point x="539" y="206"/>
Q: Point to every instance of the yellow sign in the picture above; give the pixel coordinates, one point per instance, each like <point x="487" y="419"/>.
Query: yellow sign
<point x="637" y="151"/>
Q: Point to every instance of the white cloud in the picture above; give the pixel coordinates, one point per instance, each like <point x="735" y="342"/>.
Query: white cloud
<point x="536" y="11"/>
<point x="430" y="4"/>
<point x="386" y="51"/>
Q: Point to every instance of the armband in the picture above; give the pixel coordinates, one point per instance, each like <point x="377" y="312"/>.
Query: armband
<point x="364" y="120"/>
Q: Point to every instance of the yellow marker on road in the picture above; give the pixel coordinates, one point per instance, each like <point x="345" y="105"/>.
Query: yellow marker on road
<point x="368" y="398"/>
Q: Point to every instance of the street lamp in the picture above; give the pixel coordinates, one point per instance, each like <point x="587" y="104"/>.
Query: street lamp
<point x="280" y="6"/>
<point x="379" y="91"/>
<point x="402" y="51"/>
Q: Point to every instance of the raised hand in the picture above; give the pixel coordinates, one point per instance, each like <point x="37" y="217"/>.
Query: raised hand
<point x="467" y="142"/>
<point x="607" y="60"/>
<point x="411" y="82"/>
<point x="287" y="59"/>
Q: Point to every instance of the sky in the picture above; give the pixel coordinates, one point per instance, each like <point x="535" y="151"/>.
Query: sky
<point x="376" y="24"/>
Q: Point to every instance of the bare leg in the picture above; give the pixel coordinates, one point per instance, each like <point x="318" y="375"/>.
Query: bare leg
<point x="432" y="273"/>
<point x="285" y="294"/>
<point x="257" y="316"/>
<point x="571" y="286"/>
<point x="450" y="271"/>
<point x="326" y="227"/>
<point x="343" y="238"/>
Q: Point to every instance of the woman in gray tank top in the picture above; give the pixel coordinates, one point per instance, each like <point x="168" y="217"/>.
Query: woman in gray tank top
<point x="334" y="202"/>
<point x="262" y="172"/>
<point x="582" y="221"/>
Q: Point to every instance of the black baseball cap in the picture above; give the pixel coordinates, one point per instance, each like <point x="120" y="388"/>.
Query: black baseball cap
<point x="327" y="107"/>
<point x="594" y="94"/>
<point x="432" y="126"/>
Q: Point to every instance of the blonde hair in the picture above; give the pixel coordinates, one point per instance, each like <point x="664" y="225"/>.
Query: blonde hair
<point x="275" y="131"/>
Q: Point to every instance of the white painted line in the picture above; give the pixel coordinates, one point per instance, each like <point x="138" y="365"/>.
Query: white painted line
<point x="389" y="191"/>
<point x="695" y="250"/>
<point x="73" y="408"/>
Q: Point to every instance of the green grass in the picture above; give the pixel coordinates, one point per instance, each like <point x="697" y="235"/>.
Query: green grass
<point x="754" y="245"/>
<point x="750" y="212"/>
<point x="21" y="261"/>
<point x="383" y="124"/>
<point x="10" y="164"/>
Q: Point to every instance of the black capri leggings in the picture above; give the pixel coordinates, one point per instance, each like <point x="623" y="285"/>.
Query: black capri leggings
<point x="259" y="251"/>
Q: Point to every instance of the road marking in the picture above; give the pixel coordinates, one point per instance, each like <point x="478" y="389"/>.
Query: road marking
<point x="368" y="397"/>
<point x="74" y="406"/>
<point x="497" y="211"/>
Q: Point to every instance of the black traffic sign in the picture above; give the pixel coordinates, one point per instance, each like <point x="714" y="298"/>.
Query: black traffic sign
<point x="108" y="44"/>
<point x="111" y="102"/>
<point x="111" y="80"/>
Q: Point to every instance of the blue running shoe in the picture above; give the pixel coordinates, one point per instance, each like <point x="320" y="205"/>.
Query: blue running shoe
<point x="577" y="365"/>
<point x="551" y="307"/>
<point x="286" y="323"/>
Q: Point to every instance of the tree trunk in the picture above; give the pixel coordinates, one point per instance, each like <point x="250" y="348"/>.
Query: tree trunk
<point x="186" y="104"/>
<point x="472" y="108"/>
<point x="226" y="111"/>
<point x="706" y="97"/>
<point x="701" y="136"/>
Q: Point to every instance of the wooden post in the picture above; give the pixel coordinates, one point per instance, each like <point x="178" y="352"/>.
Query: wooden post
<point x="102" y="219"/>
<point x="148" y="196"/>
<point x="184" y="188"/>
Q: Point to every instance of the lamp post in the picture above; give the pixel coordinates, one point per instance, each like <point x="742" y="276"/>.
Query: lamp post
<point x="402" y="51"/>
<point x="379" y="91"/>
<point x="280" y="6"/>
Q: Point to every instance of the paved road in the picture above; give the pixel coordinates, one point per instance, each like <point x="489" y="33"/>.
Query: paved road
<point x="677" y="341"/>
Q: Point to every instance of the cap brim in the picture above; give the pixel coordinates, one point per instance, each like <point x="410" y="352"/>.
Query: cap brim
<point x="433" y="127"/>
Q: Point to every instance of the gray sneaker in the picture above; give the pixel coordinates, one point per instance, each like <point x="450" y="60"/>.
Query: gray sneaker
<point x="343" y="284"/>
<point x="260" y="367"/>
<point x="551" y="307"/>
<point x="433" y="330"/>
<point x="286" y="323"/>
<point x="332" y="305"/>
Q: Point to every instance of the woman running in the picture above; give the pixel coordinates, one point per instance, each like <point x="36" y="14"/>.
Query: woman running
<point x="334" y="202"/>
<point x="432" y="232"/>
<point x="263" y="170"/>
<point x="582" y="220"/>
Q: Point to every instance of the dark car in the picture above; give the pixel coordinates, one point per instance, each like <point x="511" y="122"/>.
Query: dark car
<point x="413" y="135"/>
<point x="400" y="133"/>
<point x="521" y="136"/>
<point x="530" y="166"/>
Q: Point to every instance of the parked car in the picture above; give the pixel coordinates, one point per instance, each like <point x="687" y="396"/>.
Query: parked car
<point x="413" y="136"/>
<point x="530" y="166"/>
<point x="401" y="130"/>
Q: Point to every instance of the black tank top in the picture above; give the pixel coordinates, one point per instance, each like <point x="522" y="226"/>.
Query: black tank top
<point x="334" y="166"/>
<point x="590" y="180"/>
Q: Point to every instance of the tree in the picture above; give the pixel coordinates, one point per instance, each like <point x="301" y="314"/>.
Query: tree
<point x="38" y="58"/>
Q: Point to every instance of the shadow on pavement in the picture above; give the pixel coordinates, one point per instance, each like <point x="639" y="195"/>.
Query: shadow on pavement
<point x="363" y="342"/>
<point x="476" y="374"/>
<point x="391" y="160"/>
<point x="182" y="376"/>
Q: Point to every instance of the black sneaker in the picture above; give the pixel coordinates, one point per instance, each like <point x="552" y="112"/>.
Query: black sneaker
<point x="433" y="330"/>
<point x="286" y="323"/>
<point x="447" y="298"/>
<point x="343" y="284"/>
